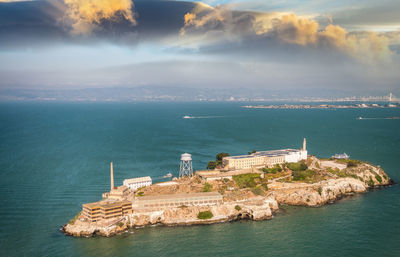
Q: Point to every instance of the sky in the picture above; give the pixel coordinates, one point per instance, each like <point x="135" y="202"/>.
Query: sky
<point x="351" y="47"/>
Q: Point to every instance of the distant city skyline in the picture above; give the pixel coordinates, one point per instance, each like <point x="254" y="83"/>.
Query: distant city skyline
<point x="240" y="49"/>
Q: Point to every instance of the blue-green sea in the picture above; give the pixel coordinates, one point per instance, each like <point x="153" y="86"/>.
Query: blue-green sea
<point x="55" y="156"/>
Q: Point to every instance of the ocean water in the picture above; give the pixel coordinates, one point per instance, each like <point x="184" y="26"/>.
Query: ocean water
<point x="55" y="156"/>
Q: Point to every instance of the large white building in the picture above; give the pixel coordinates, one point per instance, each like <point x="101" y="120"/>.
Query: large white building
<point x="264" y="158"/>
<point x="135" y="183"/>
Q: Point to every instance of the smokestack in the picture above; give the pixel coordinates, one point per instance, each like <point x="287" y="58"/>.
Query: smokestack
<point x="112" y="176"/>
<point x="304" y="144"/>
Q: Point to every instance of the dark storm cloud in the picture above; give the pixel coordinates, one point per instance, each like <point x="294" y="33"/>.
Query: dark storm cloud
<point x="38" y="23"/>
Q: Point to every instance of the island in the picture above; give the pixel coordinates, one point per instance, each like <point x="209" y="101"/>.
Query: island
<point x="251" y="186"/>
<point x="322" y="106"/>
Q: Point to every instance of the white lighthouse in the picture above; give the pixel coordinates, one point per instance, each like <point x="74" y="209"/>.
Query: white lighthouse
<point x="303" y="151"/>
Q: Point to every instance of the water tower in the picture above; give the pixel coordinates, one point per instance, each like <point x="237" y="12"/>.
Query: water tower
<point x="186" y="168"/>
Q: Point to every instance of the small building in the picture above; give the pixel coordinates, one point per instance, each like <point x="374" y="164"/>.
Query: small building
<point x="106" y="210"/>
<point x="135" y="183"/>
<point x="176" y="200"/>
<point x="117" y="193"/>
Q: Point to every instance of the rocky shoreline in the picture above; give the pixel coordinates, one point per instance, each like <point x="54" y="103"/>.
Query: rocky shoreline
<point x="248" y="206"/>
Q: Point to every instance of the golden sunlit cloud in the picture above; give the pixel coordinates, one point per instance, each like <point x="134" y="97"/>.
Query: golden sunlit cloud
<point x="368" y="47"/>
<point x="86" y="15"/>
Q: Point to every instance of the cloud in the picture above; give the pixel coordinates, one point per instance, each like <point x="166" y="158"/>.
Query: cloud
<point x="87" y="15"/>
<point x="287" y="28"/>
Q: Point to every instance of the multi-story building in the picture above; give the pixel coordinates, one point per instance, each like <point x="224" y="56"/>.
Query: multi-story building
<point x="135" y="183"/>
<point x="106" y="210"/>
<point x="264" y="158"/>
<point x="176" y="200"/>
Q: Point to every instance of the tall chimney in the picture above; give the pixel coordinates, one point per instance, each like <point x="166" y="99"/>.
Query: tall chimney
<point x="304" y="144"/>
<point x="112" y="176"/>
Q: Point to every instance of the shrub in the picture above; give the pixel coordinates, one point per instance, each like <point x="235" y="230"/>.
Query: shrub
<point x="211" y="165"/>
<point x="207" y="187"/>
<point x="274" y="170"/>
<point x="246" y="180"/>
<point x="378" y="178"/>
<point x="238" y="208"/>
<point x="370" y="182"/>
<point x="352" y="163"/>
<point x="226" y="180"/>
<point x="120" y="224"/>
<point x="252" y="152"/>
<point x="257" y="191"/>
<point x="302" y="175"/>
<point x="205" y="215"/>
<point x="140" y="194"/>
<point x="298" y="166"/>
<point x="319" y="190"/>
<point x="265" y="186"/>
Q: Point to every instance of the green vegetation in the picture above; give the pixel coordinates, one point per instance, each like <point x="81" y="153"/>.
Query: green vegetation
<point x="218" y="161"/>
<point x="226" y="180"/>
<point x="140" y="194"/>
<point x="317" y="165"/>
<point x="273" y="170"/>
<point x="370" y="182"/>
<point x="219" y="156"/>
<point x="298" y="166"/>
<point x="257" y="191"/>
<point x="353" y="163"/>
<point x="207" y="187"/>
<point x="120" y="224"/>
<point x="246" y="180"/>
<point x="252" y="152"/>
<point x="385" y="177"/>
<point x="72" y="221"/>
<point x="349" y="163"/>
<point x="303" y="175"/>
<point x="238" y="208"/>
<point x="265" y="186"/>
<point x="378" y="178"/>
<point x="319" y="190"/>
<point x="205" y="215"/>
<point x="211" y="165"/>
<point x="182" y="206"/>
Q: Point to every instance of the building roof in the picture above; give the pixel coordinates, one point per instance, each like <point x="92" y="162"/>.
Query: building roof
<point x="137" y="180"/>
<point x="176" y="196"/>
<point x="212" y="174"/>
<point x="271" y="153"/>
<point x="106" y="204"/>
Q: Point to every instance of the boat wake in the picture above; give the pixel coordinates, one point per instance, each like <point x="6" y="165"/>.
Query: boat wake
<point x="379" y="118"/>
<point x="201" y="117"/>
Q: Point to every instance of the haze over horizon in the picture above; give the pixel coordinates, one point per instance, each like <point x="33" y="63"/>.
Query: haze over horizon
<point x="185" y="48"/>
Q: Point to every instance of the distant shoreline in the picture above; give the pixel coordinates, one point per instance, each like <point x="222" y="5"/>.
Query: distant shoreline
<point x="322" y="106"/>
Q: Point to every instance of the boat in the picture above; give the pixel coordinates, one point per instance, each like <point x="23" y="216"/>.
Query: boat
<point x="187" y="117"/>
<point x="360" y="118"/>
<point x="340" y="156"/>
<point x="168" y="175"/>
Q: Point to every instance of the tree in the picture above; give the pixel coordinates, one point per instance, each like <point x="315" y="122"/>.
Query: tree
<point x="211" y="165"/>
<point x="219" y="156"/>
<point x="252" y="151"/>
